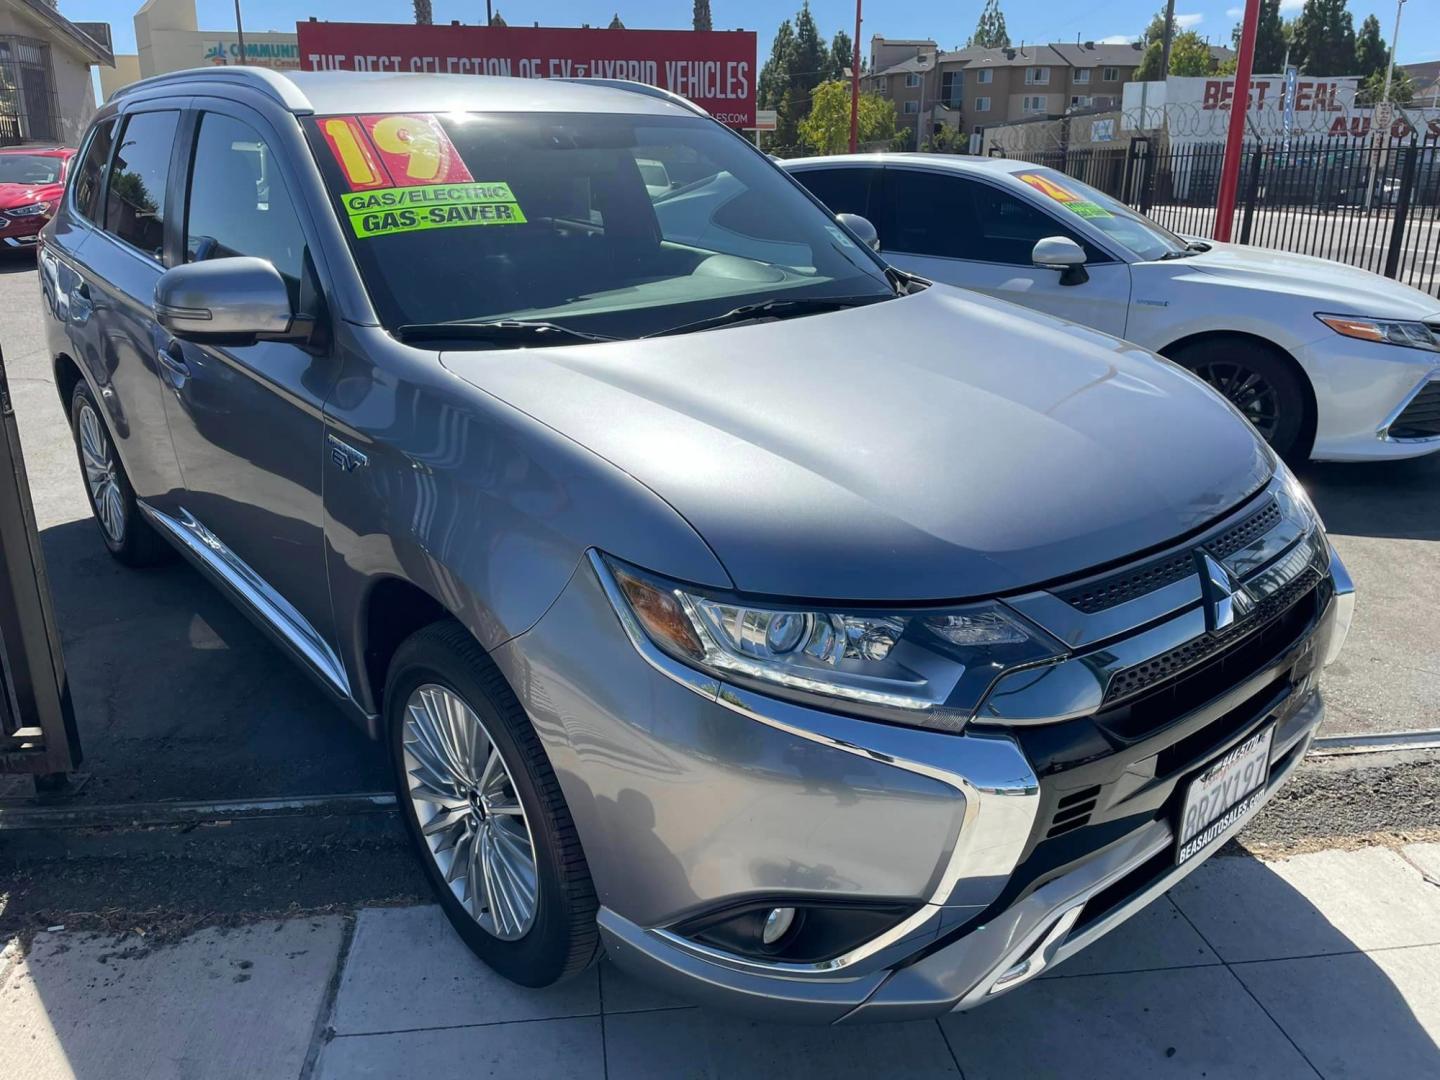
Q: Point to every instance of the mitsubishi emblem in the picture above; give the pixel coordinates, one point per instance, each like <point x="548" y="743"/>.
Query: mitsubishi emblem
<point x="1226" y="600"/>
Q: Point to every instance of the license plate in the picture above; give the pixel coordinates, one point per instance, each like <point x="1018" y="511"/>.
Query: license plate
<point x="1223" y="793"/>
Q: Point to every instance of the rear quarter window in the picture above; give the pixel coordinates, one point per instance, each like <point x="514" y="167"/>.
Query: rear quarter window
<point x="89" y="177"/>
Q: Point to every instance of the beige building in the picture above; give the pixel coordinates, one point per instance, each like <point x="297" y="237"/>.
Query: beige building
<point x="167" y="38"/>
<point x="973" y="89"/>
<point x="46" y="94"/>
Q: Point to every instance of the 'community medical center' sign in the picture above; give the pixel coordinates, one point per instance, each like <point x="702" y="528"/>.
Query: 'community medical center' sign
<point x="714" y="69"/>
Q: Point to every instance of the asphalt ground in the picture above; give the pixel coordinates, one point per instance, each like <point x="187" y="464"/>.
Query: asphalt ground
<point x="177" y="696"/>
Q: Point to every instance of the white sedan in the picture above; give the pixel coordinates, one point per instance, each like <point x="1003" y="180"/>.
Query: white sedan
<point x="1327" y="361"/>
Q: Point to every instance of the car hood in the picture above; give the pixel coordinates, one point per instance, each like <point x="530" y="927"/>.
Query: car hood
<point x="936" y="446"/>
<point x="13" y="195"/>
<point x="1327" y="286"/>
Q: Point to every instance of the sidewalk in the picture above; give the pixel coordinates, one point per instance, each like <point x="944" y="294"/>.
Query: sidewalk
<point x="1324" y="964"/>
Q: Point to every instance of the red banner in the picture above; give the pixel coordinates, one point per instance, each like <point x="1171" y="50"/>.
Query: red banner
<point x="715" y="69"/>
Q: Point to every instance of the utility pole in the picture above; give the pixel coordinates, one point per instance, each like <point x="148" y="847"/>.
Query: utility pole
<point x="1394" y="44"/>
<point x="855" y="87"/>
<point x="1165" y="41"/>
<point x="240" y="31"/>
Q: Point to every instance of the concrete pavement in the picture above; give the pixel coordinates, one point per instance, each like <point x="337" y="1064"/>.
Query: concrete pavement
<point x="1323" y="965"/>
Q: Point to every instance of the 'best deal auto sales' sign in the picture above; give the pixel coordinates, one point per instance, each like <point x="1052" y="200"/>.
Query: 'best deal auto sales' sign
<point x="714" y="69"/>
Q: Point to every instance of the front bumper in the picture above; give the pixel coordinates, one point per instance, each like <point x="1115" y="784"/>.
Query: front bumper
<point x="690" y="796"/>
<point x="1361" y="391"/>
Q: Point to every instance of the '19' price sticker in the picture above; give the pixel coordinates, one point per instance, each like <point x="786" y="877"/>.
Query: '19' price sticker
<point x="393" y="150"/>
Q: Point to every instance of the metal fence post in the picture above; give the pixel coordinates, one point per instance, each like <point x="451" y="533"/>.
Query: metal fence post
<point x="1402" y="212"/>
<point x="1252" y="192"/>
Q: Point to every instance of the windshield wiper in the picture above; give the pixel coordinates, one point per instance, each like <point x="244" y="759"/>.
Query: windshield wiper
<point x="1183" y="253"/>
<point x="772" y="309"/>
<point x="518" y="331"/>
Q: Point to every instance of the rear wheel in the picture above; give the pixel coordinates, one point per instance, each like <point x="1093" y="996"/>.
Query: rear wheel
<point x="1262" y="385"/>
<point x="126" y="532"/>
<point x="485" y="811"/>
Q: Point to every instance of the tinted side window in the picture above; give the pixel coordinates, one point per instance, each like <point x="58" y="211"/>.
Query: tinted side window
<point x="135" y="198"/>
<point x="844" y="191"/>
<point x="238" y="203"/>
<point x="1009" y="227"/>
<point x="90" y="174"/>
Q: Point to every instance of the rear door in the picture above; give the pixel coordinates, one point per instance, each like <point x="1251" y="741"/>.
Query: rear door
<point x="246" y="421"/>
<point x="971" y="233"/>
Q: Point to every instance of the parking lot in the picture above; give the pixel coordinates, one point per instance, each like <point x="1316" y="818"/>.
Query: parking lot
<point x="1253" y="969"/>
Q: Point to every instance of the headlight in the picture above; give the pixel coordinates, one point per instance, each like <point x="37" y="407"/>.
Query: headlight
<point x="29" y="211"/>
<point x="1414" y="335"/>
<point x="928" y="667"/>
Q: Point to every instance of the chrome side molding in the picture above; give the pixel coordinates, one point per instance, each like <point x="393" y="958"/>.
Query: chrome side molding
<point x="255" y="592"/>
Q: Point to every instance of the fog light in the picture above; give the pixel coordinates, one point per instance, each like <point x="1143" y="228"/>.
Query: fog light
<point x="777" y="923"/>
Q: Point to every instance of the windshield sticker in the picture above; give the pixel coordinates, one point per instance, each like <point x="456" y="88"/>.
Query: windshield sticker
<point x="393" y="150"/>
<point x="839" y="235"/>
<point x="1065" y="197"/>
<point x="435" y="206"/>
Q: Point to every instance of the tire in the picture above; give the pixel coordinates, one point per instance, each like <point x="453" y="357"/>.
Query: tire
<point x="127" y="534"/>
<point x="436" y="676"/>
<point x="1263" y="385"/>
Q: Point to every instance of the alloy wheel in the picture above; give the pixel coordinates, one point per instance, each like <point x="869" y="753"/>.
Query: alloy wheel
<point x="1248" y="391"/>
<point x="469" y="812"/>
<point x="101" y="475"/>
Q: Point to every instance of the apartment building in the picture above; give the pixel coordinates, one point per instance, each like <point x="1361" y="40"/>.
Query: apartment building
<point x="974" y="88"/>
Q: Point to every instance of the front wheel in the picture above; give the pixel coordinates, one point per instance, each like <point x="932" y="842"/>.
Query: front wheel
<point x="1263" y="386"/>
<point x="485" y="811"/>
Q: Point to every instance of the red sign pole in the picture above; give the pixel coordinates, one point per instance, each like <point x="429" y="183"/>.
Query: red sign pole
<point x="1235" y="137"/>
<point x="855" y="87"/>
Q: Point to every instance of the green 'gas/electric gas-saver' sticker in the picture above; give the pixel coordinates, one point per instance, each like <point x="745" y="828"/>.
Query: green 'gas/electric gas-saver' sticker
<point x="431" y="206"/>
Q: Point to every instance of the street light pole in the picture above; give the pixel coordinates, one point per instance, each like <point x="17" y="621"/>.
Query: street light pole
<point x="855" y="87"/>
<point x="240" y="31"/>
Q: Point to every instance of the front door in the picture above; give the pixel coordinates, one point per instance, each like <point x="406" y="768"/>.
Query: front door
<point x="974" y="234"/>
<point x="246" y="421"/>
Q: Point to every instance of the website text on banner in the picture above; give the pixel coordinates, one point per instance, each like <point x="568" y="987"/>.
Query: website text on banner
<point x="714" y="69"/>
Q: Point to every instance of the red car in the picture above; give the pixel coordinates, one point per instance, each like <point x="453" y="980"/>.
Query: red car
<point x="32" y="179"/>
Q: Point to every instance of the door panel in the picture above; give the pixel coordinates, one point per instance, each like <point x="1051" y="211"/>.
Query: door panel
<point x="975" y="235"/>
<point x="246" y="421"/>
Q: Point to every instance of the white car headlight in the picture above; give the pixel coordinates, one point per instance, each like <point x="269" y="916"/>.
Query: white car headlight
<point x="927" y="667"/>
<point x="28" y="211"/>
<point x="1414" y="335"/>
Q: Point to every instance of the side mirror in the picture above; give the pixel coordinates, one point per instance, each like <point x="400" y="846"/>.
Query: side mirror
<point x="861" y="227"/>
<point x="1063" y="254"/>
<point x="234" y="301"/>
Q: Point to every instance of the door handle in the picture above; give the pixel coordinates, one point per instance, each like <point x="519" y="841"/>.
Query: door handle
<point x="173" y="368"/>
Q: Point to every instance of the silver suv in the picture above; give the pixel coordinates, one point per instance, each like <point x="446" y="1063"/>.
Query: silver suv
<point x="812" y="638"/>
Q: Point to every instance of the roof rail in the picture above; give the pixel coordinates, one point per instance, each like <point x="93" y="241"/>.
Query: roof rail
<point x="268" y="82"/>
<point x="642" y="88"/>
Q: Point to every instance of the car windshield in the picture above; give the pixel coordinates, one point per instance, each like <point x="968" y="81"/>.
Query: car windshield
<point x="29" y="169"/>
<point x="616" y="226"/>
<point x="1137" y="234"/>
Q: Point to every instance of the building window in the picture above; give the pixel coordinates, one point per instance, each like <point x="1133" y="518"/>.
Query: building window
<point x="1037" y="76"/>
<point x="911" y="108"/>
<point x="1111" y="74"/>
<point x="883" y="84"/>
<point x="912" y="80"/>
<point x="950" y="88"/>
<point x="1082" y="75"/>
<point x="1035" y="103"/>
<point x="985" y="75"/>
<point x="1080" y="101"/>
<point x="982" y="104"/>
<point x="28" y="107"/>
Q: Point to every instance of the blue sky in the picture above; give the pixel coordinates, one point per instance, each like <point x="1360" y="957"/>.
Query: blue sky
<point x="946" y="21"/>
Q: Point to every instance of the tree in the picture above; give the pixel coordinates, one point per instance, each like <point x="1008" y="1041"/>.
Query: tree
<point x="615" y="23"/>
<point x="826" y="129"/>
<point x="990" y="32"/>
<point x="1153" y="39"/>
<point x="497" y="19"/>
<point x="799" y="61"/>
<point x="700" y="15"/>
<point x="1190" y="55"/>
<point x="1324" y="41"/>
<point x="947" y="140"/>
<point x="1402" y="88"/>
<point x="1371" y="55"/>
<point x="842" y="54"/>
<point x="1271" y="40"/>
<point x="424" y="15"/>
